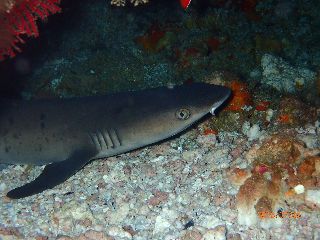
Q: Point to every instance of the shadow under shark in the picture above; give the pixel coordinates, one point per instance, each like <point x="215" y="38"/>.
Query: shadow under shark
<point x="66" y="134"/>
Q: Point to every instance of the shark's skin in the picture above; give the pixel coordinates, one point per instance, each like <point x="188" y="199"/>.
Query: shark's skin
<point x="66" y="134"/>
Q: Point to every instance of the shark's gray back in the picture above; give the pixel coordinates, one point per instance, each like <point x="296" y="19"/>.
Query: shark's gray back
<point x="44" y="131"/>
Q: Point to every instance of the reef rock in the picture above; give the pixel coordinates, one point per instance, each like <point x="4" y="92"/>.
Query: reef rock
<point x="284" y="172"/>
<point x="282" y="76"/>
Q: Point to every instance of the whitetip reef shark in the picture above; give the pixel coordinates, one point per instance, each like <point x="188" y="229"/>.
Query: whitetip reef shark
<point x="66" y="134"/>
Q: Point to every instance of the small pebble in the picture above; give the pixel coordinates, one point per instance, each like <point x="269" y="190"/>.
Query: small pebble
<point x="218" y="233"/>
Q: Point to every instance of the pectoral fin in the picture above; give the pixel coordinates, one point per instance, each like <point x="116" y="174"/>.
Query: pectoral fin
<point x="54" y="174"/>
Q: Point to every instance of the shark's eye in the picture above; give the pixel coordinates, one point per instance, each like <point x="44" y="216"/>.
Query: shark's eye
<point x="183" y="114"/>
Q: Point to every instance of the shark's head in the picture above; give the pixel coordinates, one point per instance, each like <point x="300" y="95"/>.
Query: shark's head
<point x="189" y="103"/>
<point x="170" y="111"/>
<point x="197" y="100"/>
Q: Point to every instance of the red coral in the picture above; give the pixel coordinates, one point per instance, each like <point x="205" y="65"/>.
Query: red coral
<point x="20" y="18"/>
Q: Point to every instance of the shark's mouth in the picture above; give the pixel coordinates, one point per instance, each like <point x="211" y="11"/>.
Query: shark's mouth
<point x="216" y="105"/>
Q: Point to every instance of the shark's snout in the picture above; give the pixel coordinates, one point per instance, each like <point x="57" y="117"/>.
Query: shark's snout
<point x="204" y="98"/>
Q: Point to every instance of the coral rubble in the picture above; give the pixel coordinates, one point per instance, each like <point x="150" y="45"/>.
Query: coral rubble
<point x="284" y="172"/>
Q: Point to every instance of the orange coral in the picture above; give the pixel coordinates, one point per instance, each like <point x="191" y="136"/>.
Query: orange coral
<point x="285" y="118"/>
<point x="263" y="105"/>
<point x="209" y="131"/>
<point x="295" y="112"/>
<point x="308" y="166"/>
<point x="241" y="96"/>
<point x="308" y="172"/>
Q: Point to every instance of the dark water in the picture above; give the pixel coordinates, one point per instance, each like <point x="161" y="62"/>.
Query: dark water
<point x="93" y="48"/>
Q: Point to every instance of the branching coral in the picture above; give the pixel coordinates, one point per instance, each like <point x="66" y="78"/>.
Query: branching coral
<point x="18" y="17"/>
<point x="122" y="3"/>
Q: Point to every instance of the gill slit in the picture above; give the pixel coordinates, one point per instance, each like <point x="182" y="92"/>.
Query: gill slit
<point x="105" y="139"/>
